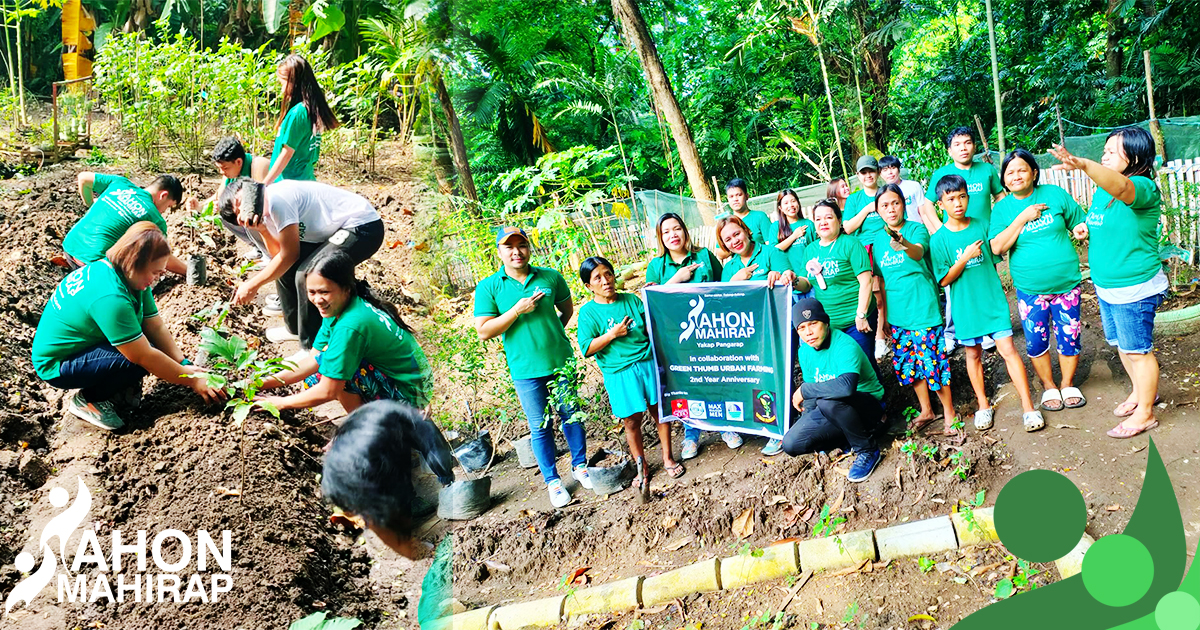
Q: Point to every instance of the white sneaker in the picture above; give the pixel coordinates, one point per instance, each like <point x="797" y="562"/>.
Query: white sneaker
<point x="100" y="414"/>
<point x="732" y="439"/>
<point x="280" y="334"/>
<point x="273" y="306"/>
<point x="252" y="254"/>
<point x="580" y="474"/>
<point x="295" y="359"/>
<point x="559" y="497"/>
<point x="881" y="349"/>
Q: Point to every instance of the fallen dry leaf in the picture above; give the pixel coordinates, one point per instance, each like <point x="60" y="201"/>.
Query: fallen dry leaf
<point x="808" y="514"/>
<point x="837" y="505"/>
<point x="777" y="499"/>
<point x="1113" y="508"/>
<point x="575" y="575"/>
<point x="791" y="514"/>
<point x="678" y="544"/>
<point x="743" y="526"/>
<point x="226" y="492"/>
<point x="669" y="521"/>
<point x="349" y="521"/>
<point x="497" y="566"/>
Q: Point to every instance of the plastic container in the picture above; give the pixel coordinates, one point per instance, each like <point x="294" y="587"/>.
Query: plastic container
<point x="610" y="472"/>
<point x="197" y="270"/>
<point x="476" y="454"/>
<point x="525" y="456"/>
<point x="466" y="499"/>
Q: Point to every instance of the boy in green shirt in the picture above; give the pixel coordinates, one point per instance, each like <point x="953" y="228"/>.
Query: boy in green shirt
<point x="529" y="306"/>
<point x="961" y="262"/>
<point x="114" y="205"/>
<point x="233" y="161"/>
<point x="840" y="399"/>
<point x="737" y="194"/>
<point x="612" y="328"/>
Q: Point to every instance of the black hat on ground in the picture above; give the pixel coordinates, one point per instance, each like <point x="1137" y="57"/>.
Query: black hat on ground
<point x="808" y="310"/>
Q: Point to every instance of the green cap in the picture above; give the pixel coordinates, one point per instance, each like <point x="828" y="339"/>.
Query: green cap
<point x="866" y="162"/>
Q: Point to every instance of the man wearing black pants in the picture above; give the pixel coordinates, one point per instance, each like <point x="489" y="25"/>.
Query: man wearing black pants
<point x="299" y="220"/>
<point x="840" y="398"/>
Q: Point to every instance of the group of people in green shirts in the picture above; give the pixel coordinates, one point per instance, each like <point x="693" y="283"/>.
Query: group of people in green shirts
<point x="929" y="255"/>
<point x="100" y="332"/>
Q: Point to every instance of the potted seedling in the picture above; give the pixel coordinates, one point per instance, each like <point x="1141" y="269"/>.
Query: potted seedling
<point x="474" y="449"/>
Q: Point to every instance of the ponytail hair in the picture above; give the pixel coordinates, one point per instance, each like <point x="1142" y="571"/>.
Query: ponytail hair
<point x="337" y="267"/>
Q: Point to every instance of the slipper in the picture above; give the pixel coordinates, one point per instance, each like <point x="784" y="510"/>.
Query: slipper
<point x="917" y="425"/>
<point x="1033" y="421"/>
<point x="1052" y="395"/>
<point x="675" y="471"/>
<point x="1126" y="409"/>
<point x="983" y="419"/>
<point x="1122" y="433"/>
<point x="1073" y="392"/>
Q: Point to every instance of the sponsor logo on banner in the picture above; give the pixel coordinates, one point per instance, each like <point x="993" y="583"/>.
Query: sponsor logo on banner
<point x="697" y="410"/>
<point x="733" y="411"/>
<point x="679" y="408"/>
<point x="716" y="411"/>
<point x="764" y="407"/>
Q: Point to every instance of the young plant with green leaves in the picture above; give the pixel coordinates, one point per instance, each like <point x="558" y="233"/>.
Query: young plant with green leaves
<point x="235" y="368"/>
<point x="321" y="621"/>
<point x="1022" y="581"/>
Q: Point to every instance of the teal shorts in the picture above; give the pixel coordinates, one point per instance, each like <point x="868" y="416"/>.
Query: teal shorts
<point x="632" y="390"/>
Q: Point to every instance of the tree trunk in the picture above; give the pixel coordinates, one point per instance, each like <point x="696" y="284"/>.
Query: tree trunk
<point x="637" y="35"/>
<point x="458" y="147"/>
<point x="877" y="62"/>
<point x="1114" y="55"/>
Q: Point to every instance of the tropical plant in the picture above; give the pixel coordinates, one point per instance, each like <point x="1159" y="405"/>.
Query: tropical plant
<point x="235" y="368"/>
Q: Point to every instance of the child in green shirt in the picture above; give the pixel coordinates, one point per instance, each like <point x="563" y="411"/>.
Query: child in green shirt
<point x="304" y="117"/>
<point x="612" y="328"/>
<point x="961" y="262"/>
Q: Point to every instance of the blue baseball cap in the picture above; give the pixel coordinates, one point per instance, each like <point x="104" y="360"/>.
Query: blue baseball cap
<point x="508" y="232"/>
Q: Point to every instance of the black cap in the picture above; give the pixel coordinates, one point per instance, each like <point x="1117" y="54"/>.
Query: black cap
<point x="808" y="310"/>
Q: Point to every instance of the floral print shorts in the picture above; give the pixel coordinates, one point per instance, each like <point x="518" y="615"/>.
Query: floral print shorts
<point x="919" y="355"/>
<point x="1040" y="312"/>
<point x="371" y="385"/>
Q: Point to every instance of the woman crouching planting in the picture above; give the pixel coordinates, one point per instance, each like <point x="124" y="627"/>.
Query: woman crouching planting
<point x="363" y="352"/>
<point x="612" y="328"/>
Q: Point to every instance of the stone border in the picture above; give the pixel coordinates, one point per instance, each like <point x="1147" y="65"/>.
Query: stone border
<point x="924" y="537"/>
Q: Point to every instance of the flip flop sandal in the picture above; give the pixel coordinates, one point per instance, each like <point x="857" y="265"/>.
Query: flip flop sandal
<point x="918" y="425"/>
<point x="983" y="419"/>
<point x="1033" y="421"/>
<point x="1126" y="409"/>
<point x="675" y="471"/>
<point x="1073" y="392"/>
<point x="1122" y="433"/>
<point x="1052" y="395"/>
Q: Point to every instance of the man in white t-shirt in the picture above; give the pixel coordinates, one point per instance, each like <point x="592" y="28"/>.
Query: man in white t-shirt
<point x="914" y="192"/>
<point x="299" y="220"/>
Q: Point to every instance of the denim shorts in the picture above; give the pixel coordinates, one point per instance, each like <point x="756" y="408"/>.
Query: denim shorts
<point x="1130" y="327"/>
<point x="633" y="389"/>
<point x="978" y="341"/>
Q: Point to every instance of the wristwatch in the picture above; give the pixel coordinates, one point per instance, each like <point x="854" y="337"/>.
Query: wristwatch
<point x="860" y="315"/>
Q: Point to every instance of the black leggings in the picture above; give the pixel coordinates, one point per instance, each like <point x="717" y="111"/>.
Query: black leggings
<point x="836" y="423"/>
<point x="300" y="316"/>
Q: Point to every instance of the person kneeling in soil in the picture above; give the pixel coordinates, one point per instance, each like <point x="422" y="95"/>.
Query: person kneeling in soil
<point x="364" y="350"/>
<point x="612" y="328"/>
<point x="840" y="399"/>
<point x="233" y="161"/>
<point x="300" y="221"/>
<point x="100" y="332"/>
<point x="114" y="205"/>
<point x="368" y="469"/>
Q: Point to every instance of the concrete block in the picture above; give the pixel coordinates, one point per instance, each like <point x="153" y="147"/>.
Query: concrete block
<point x="984" y="532"/>
<point x="541" y="613"/>
<point x="701" y="577"/>
<point x="823" y="554"/>
<point x="471" y="620"/>
<point x="775" y="562"/>
<point x="1072" y="563"/>
<point x="931" y="535"/>
<point x="612" y="597"/>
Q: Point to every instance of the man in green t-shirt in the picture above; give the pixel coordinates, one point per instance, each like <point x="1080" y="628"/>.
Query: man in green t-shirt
<point x="737" y="194"/>
<point x="114" y="204"/>
<point x="840" y="399"/>
<point x="233" y="161"/>
<point x="864" y="223"/>
<point x="529" y="307"/>
<point x="983" y="181"/>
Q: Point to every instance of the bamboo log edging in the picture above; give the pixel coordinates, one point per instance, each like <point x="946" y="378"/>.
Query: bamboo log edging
<point x="719" y="574"/>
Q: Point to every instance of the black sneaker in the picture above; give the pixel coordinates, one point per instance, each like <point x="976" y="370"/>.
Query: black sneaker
<point x="864" y="465"/>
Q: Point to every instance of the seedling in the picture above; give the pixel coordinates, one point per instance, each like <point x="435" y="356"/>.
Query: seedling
<point x="218" y="310"/>
<point x="319" y="621"/>
<point x="244" y="267"/>
<point x="1008" y="587"/>
<point x="909" y="448"/>
<point x="962" y="465"/>
<point x="968" y="512"/>
<point x="930" y="452"/>
<point x="235" y="368"/>
<point x="850" y="614"/>
<point x="910" y="413"/>
<point x="826" y="523"/>
<point x="776" y="621"/>
<point x="747" y="550"/>
<point x="926" y="565"/>
<point x="564" y="390"/>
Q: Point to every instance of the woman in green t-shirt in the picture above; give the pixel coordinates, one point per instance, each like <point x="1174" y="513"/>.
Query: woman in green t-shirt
<point x="837" y="264"/>
<point x="680" y="261"/>
<point x="305" y="115"/>
<point x="747" y="259"/>
<point x="363" y="352"/>
<point x="1122" y="233"/>
<point x="902" y="257"/>
<point x="101" y="333"/>
<point x="792" y="232"/>
<point x="837" y="190"/>
<point x="612" y="328"/>
<point x="1033" y="225"/>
